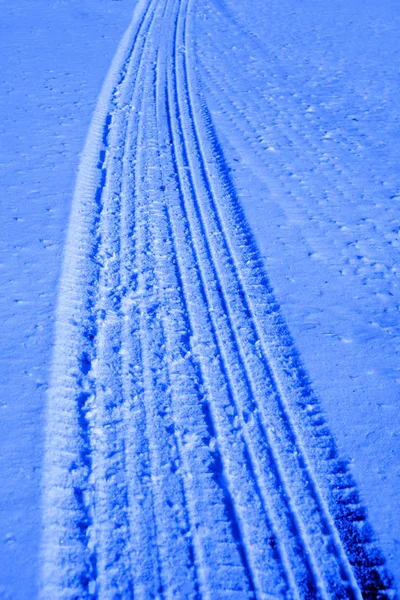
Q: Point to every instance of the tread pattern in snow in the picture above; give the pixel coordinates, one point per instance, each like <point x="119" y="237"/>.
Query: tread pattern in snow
<point x="186" y="454"/>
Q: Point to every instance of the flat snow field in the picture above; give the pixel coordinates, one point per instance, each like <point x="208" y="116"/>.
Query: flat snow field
<point x="199" y="232"/>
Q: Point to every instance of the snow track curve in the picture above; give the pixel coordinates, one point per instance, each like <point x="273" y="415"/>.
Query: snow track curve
<point x="186" y="454"/>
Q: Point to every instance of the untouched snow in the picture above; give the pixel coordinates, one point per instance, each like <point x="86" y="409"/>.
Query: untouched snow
<point x="239" y="181"/>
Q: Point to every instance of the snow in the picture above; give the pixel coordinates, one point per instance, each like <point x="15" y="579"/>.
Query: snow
<point x="156" y="417"/>
<point x="54" y="57"/>
<point x="331" y="186"/>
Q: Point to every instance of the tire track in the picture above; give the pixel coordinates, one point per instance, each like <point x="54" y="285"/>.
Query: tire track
<point x="178" y="463"/>
<point x="222" y="309"/>
<point x="290" y="392"/>
<point x="201" y="323"/>
<point x="263" y="432"/>
<point x="239" y="292"/>
<point x="224" y="264"/>
<point x="174" y="544"/>
<point x="334" y="478"/>
<point x="285" y="417"/>
<point x="112" y="535"/>
<point x="148" y="579"/>
<point x="338" y="485"/>
<point x="70" y="504"/>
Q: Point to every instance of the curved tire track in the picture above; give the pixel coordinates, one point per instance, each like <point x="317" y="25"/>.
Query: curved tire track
<point x="179" y="459"/>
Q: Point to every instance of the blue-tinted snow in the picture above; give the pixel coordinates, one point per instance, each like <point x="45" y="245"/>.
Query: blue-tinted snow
<point x="304" y="100"/>
<point x="54" y="57"/>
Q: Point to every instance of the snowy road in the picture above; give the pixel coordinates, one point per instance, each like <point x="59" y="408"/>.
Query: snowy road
<point x="186" y="454"/>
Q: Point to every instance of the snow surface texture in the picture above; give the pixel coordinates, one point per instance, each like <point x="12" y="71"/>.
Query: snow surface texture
<point x="54" y="57"/>
<point x="186" y="454"/>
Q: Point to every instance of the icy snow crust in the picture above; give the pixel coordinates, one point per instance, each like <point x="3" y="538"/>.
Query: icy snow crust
<point x="186" y="454"/>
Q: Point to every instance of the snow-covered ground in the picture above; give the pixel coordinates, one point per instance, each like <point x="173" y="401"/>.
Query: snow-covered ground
<point x="54" y="58"/>
<point x="161" y="433"/>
